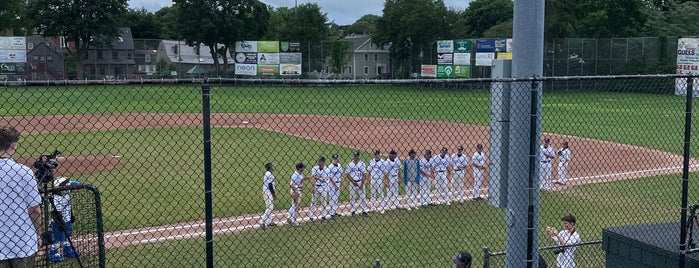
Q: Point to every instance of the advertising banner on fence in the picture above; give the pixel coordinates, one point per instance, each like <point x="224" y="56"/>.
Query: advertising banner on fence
<point x="687" y="63"/>
<point x="13" y="49"/>
<point x="246" y="46"/>
<point x="445" y="46"/>
<point x="485" y="59"/>
<point x="246" y="57"/>
<point x="462" y="71"/>
<point x="504" y="55"/>
<point x="245" y="69"/>
<point x="291" y="58"/>
<point x="428" y="71"/>
<point x="485" y="45"/>
<point x="462" y="58"/>
<point x="445" y="58"/>
<point x="501" y="45"/>
<point x="268" y="46"/>
<point x="289" y="69"/>
<point x="12" y="68"/>
<point x="445" y="71"/>
<point x="462" y="46"/>
<point x="267" y="58"/>
<point x="267" y="69"/>
<point x="289" y="46"/>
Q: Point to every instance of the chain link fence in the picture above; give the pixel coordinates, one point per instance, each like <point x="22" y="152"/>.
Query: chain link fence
<point x="185" y="181"/>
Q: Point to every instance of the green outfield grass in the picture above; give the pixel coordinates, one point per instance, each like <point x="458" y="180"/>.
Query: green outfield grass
<point x="427" y="237"/>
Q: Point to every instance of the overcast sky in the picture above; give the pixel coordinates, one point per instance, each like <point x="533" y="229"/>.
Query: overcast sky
<point x="343" y="12"/>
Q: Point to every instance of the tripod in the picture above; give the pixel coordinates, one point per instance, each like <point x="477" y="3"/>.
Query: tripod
<point x="57" y="216"/>
<point x="690" y="226"/>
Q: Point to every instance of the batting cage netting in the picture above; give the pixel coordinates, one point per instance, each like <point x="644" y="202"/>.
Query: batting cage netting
<point x="584" y="171"/>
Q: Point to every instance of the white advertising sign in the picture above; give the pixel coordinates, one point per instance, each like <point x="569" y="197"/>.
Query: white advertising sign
<point x="245" y="69"/>
<point x="687" y="63"/>
<point x="462" y="58"/>
<point x="246" y="46"/>
<point x="485" y="59"/>
<point x="267" y="58"/>
<point x="445" y="46"/>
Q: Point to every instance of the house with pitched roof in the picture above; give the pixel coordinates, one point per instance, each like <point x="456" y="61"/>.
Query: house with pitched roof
<point x="368" y="60"/>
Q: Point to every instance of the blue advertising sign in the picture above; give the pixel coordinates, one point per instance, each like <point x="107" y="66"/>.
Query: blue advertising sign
<point x="485" y="45"/>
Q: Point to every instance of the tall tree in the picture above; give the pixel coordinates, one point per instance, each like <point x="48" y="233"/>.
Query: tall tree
<point x="481" y="15"/>
<point x="364" y="25"/>
<point x="166" y="18"/>
<point x="143" y="24"/>
<point x="10" y="14"/>
<point x="339" y="53"/>
<point x="82" y="22"/>
<point x="408" y="26"/>
<point x="672" y="18"/>
<point x="304" y="22"/>
<point x="220" y="22"/>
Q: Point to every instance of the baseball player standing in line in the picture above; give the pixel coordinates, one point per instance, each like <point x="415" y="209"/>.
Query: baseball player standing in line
<point x="321" y="175"/>
<point x="392" y="167"/>
<point x="545" y="155"/>
<point x="459" y="163"/>
<point x="377" y="174"/>
<point x="563" y="161"/>
<point x="427" y="163"/>
<point x="269" y="196"/>
<point x="335" y="170"/>
<point x="296" y="188"/>
<point x="478" y="164"/>
<point x="411" y="179"/>
<point x="356" y="175"/>
<point x="442" y="166"/>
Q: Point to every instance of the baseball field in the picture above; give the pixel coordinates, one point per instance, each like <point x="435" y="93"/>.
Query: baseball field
<point x="142" y="147"/>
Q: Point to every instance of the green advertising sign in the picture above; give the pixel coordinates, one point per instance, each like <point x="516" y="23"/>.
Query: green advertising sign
<point x="267" y="69"/>
<point x="268" y="46"/>
<point x="462" y="46"/>
<point x="445" y="71"/>
<point x="462" y="71"/>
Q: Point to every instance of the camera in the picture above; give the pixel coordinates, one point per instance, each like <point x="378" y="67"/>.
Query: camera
<point x="558" y="251"/>
<point x="45" y="165"/>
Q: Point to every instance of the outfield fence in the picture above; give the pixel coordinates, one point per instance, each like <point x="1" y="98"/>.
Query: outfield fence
<point x="181" y="168"/>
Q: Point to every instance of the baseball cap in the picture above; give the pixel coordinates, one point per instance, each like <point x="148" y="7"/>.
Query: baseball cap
<point x="300" y="166"/>
<point x="460" y="148"/>
<point x="444" y="150"/>
<point x="428" y="151"/>
<point x="377" y="152"/>
<point x="393" y="152"/>
<point x="547" y="140"/>
<point x="480" y="146"/>
<point x="463" y="258"/>
<point x="356" y="154"/>
<point x="335" y="156"/>
<point x="412" y="151"/>
<point x="321" y="159"/>
<point x="268" y="166"/>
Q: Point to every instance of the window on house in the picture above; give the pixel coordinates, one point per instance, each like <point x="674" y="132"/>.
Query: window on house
<point x="115" y="55"/>
<point x="366" y="69"/>
<point x="62" y="40"/>
<point x="371" y="44"/>
<point x="99" y="54"/>
<point x="42" y="59"/>
<point x="49" y="59"/>
<point x="30" y="46"/>
<point x="350" y="69"/>
<point x="376" y="57"/>
<point x="130" y="55"/>
<point x="366" y="57"/>
<point x="174" y="49"/>
<point x="147" y="57"/>
<point x="35" y="59"/>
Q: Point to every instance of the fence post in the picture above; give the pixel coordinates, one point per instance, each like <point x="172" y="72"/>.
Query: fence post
<point x="206" y="113"/>
<point x="486" y="257"/>
<point x="685" y="170"/>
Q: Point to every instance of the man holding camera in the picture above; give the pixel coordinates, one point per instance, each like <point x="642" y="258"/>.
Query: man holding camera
<point x="20" y="206"/>
<point x="565" y="257"/>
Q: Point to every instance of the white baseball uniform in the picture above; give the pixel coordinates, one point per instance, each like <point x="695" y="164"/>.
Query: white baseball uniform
<point x="427" y="164"/>
<point x="545" y="172"/>
<point x="356" y="172"/>
<point x="459" y="163"/>
<point x="566" y="259"/>
<point x="392" y="168"/>
<point x="376" y="172"/>
<point x="335" y="171"/>
<point x="296" y="187"/>
<point x="320" y="181"/>
<point x="441" y="165"/>
<point x="267" y="194"/>
<point x="563" y="162"/>
<point x="477" y="159"/>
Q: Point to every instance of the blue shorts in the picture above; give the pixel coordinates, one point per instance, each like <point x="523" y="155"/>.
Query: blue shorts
<point x="58" y="235"/>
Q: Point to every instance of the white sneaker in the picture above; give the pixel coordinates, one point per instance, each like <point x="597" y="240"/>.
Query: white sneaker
<point x="382" y="211"/>
<point x="408" y="208"/>
<point x="448" y="203"/>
